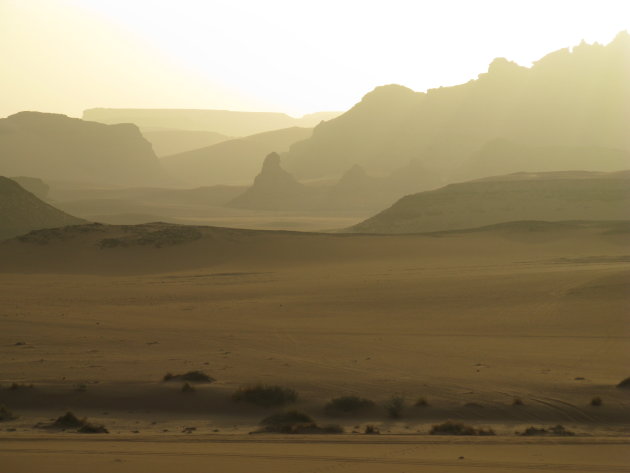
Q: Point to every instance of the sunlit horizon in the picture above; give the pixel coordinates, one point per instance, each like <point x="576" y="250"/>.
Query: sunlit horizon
<point x="278" y="56"/>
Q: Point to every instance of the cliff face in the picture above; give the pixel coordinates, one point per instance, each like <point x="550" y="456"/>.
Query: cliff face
<point x="570" y="98"/>
<point x="56" y="147"/>
<point x="21" y="211"/>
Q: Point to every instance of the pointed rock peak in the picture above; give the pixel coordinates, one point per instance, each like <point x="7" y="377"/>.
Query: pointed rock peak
<point x="356" y="174"/>
<point x="272" y="174"/>
<point x="355" y="171"/>
<point x="271" y="163"/>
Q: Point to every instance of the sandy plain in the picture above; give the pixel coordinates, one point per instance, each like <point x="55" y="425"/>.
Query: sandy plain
<point x="468" y="320"/>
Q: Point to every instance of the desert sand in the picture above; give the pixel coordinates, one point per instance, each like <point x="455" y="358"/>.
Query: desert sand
<point x="468" y="320"/>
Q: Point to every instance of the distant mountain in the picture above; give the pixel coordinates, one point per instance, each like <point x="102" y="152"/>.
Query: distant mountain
<point x="55" y="147"/>
<point x="525" y="196"/>
<point x="34" y="185"/>
<point x="502" y="157"/>
<point x="232" y="161"/>
<point x="219" y="121"/>
<point x="572" y="98"/>
<point x="22" y="212"/>
<point x="274" y="188"/>
<point x="167" y="141"/>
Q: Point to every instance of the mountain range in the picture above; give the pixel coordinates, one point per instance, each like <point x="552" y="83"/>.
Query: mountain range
<point x="573" y="100"/>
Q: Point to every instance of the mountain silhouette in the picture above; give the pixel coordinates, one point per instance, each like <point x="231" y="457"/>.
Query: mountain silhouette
<point x="56" y="147"/>
<point x="233" y="161"/>
<point x="554" y="196"/>
<point x="573" y="98"/>
<point x="21" y="211"/>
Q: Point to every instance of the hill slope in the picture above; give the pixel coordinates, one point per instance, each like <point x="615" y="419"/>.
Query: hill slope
<point x="232" y="161"/>
<point x="56" y="147"/>
<point x="577" y="97"/>
<point x="22" y="212"/>
<point x="526" y="196"/>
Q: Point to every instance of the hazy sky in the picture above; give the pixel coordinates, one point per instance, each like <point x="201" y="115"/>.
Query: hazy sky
<point x="292" y="56"/>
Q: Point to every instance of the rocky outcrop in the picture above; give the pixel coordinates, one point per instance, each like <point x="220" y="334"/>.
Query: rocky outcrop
<point x="273" y="189"/>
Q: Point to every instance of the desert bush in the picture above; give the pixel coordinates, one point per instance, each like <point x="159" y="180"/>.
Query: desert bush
<point x="347" y="404"/>
<point x="71" y="421"/>
<point x="517" y="401"/>
<point x="371" y="430"/>
<point x="187" y="388"/>
<point x="6" y="414"/>
<point x="421" y="402"/>
<point x="596" y="401"/>
<point x="17" y="386"/>
<point x="265" y="395"/>
<point x="295" y="422"/>
<point x="68" y="421"/>
<point x="191" y="377"/>
<point x="625" y="384"/>
<point x="558" y="430"/>
<point x="89" y="428"/>
<point x="289" y="417"/>
<point x="395" y="406"/>
<point x="457" y="428"/>
<point x="80" y="388"/>
<point x="302" y="429"/>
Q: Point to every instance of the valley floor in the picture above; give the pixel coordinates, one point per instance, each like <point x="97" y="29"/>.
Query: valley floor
<point x="468" y="321"/>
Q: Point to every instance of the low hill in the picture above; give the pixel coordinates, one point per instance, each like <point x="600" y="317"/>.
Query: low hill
<point x="161" y="247"/>
<point x="522" y="196"/>
<point x="55" y="147"/>
<point x="225" y="122"/>
<point x="22" y="212"/>
<point x="233" y="161"/>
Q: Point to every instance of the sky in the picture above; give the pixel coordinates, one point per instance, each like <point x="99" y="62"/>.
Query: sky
<point x="291" y="56"/>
